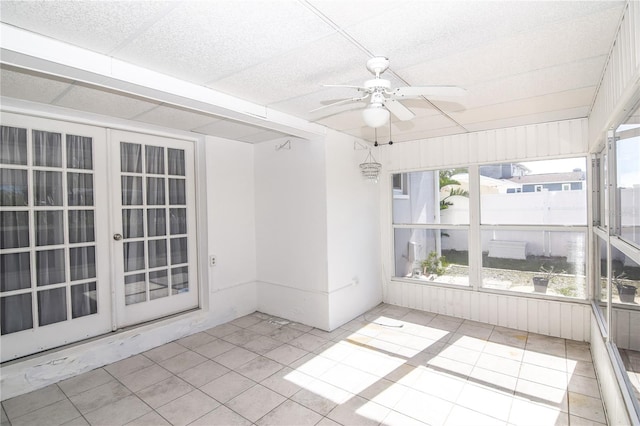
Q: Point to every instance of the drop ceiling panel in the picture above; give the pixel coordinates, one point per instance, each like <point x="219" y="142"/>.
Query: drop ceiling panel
<point x="540" y="104"/>
<point x="228" y="129"/>
<point x="178" y="118"/>
<point x="542" y="117"/>
<point x="96" y="25"/>
<point x="545" y="47"/>
<point x="265" y="136"/>
<point x="522" y="62"/>
<point x="100" y="101"/>
<point x="575" y="75"/>
<point x="203" y="41"/>
<point x="331" y="60"/>
<point x="30" y="86"/>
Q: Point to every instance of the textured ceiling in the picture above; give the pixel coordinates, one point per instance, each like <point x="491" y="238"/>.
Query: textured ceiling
<point x="520" y="62"/>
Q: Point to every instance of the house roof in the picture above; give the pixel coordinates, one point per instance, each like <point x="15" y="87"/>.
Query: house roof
<point x="252" y="70"/>
<point x="550" y="177"/>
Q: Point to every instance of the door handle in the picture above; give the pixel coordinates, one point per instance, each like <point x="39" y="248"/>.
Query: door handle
<point x="117" y="237"/>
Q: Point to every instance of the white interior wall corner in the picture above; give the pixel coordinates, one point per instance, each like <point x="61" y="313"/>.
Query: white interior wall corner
<point x="291" y="231"/>
<point x="353" y="240"/>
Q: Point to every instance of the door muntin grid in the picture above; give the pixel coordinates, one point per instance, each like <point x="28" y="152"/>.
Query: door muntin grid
<point x="154" y="222"/>
<point x="48" y="245"/>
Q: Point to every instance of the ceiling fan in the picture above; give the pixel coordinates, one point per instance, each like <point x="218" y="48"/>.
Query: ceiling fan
<point x="383" y="99"/>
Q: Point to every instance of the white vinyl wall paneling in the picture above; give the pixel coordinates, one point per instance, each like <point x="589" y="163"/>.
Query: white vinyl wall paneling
<point x="552" y="318"/>
<point x="558" y="138"/>
<point x="620" y="84"/>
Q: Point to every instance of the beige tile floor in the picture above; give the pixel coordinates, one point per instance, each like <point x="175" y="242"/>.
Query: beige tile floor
<point x="391" y="366"/>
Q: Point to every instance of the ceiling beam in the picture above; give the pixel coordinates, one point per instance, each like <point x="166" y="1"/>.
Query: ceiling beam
<point x="24" y="49"/>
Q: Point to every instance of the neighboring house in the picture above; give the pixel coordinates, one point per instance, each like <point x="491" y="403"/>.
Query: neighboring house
<point x="571" y="181"/>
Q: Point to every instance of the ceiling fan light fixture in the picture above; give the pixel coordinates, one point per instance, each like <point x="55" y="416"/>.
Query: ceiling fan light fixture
<point x="375" y="115"/>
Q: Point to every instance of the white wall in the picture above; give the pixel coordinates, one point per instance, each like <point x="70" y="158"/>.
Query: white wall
<point x="230" y="199"/>
<point x="291" y="231"/>
<point x="353" y="240"/>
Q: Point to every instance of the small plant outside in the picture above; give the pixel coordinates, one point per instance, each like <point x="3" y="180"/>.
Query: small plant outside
<point x="434" y="265"/>
<point x="546" y="275"/>
<point x="626" y="291"/>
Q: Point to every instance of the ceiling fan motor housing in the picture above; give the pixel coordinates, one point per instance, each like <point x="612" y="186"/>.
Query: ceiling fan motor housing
<point x="378" y="65"/>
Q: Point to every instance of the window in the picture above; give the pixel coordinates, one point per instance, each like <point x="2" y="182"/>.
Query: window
<point x="431" y="226"/>
<point x="566" y="187"/>
<point x="535" y="242"/>
<point x="617" y="233"/>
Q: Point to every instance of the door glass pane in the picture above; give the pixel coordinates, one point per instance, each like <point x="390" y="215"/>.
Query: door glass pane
<point x="135" y="289"/>
<point x="52" y="306"/>
<point x="130" y="157"/>
<point x="49" y="228"/>
<point x="80" y="189"/>
<point x="82" y="263"/>
<point x="16" y="313"/>
<point x="47" y="149"/>
<point x="132" y="223"/>
<point x="180" y="280"/>
<point x="178" y="250"/>
<point x="81" y="226"/>
<point x="157" y="253"/>
<point x="15" y="271"/>
<point x="84" y="300"/>
<point x="15" y="229"/>
<point x="155" y="191"/>
<point x="13" y="145"/>
<point x="47" y="188"/>
<point x="131" y="190"/>
<point x="79" y="152"/>
<point x="176" y="191"/>
<point x="176" y="162"/>
<point x="50" y="267"/>
<point x="158" y="284"/>
<point x="13" y="188"/>
<point x="154" y="159"/>
<point x="178" y="221"/>
<point x="157" y="222"/>
<point x="133" y="256"/>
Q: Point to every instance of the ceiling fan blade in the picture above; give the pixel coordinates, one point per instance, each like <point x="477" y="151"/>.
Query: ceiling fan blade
<point x="428" y="91"/>
<point x="396" y="108"/>
<point x="341" y="102"/>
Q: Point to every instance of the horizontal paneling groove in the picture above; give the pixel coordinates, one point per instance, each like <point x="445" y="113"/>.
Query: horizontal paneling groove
<point x="510" y="144"/>
<point x="549" y="317"/>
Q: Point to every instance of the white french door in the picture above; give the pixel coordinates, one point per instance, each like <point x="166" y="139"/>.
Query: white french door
<point x="153" y="221"/>
<point x="97" y="231"/>
<point x="54" y="281"/>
